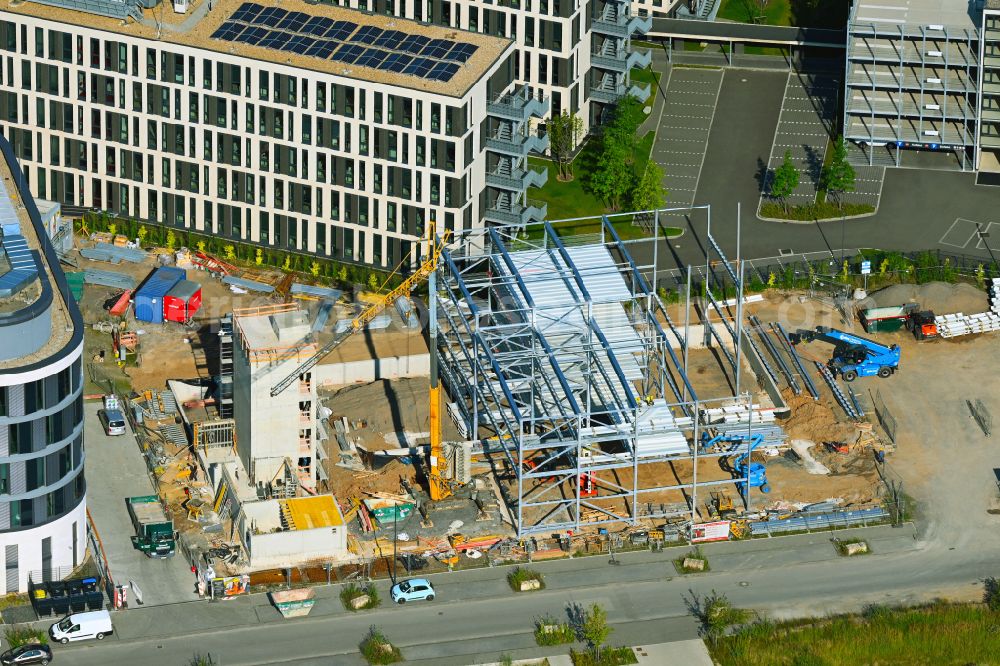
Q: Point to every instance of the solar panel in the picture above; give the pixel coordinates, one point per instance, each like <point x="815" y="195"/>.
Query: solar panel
<point x="413" y="43"/>
<point x="247" y="12"/>
<point x="271" y="16"/>
<point x="317" y="25"/>
<point x="437" y="48"/>
<point x="367" y="34"/>
<point x="341" y="30"/>
<point x="252" y="35"/>
<point x="372" y="57"/>
<point x="345" y="41"/>
<point x="321" y="48"/>
<point x="348" y="53"/>
<point x="396" y="62"/>
<point x="228" y="31"/>
<point x="390" y="39"/>
<point x="461" y="52"/>
<point x="419" y="67"/>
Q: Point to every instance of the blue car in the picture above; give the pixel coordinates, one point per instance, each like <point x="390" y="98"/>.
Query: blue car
<point x="415" y="589"/>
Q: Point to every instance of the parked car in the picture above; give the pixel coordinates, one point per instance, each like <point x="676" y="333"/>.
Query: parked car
<point x="30" y="653"/>
<point x="415" y="589"/>
<point x="81" y="626"/>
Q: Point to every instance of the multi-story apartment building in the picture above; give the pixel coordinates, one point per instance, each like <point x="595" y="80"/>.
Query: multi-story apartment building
<point x="313" y="128"/>
<point x="310" y="127"/>
<point x="577" y="54"/>
<point x="42" y="488"/>
<point x="924" y="76"/>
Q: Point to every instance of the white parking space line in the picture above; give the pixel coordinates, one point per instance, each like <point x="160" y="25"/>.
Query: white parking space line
<point x="983" y="241"/>
<point x="690" y="111"/>
<point x="960" y="233"/>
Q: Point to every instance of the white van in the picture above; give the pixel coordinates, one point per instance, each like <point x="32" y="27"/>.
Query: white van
<point x="81" y="626"/>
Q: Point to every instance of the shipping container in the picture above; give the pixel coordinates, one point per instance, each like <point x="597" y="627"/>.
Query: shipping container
<point x="149" y="297"/>
<point x="182" y="301"/>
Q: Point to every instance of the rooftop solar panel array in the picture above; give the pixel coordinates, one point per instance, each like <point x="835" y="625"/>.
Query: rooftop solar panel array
<point x="14" y="246"/>
<point x="343" y="41"/>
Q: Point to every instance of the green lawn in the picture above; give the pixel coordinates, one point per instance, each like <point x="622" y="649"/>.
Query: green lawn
<point x="643" y="76"/>
<point x="939" y="634"/>
<point x="804" y="13"/>
<point x="574" y="199"/>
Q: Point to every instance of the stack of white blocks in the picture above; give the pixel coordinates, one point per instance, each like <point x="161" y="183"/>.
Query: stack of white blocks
<point x="950" y="326"/>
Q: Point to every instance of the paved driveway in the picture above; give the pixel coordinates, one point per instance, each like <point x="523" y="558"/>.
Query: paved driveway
<point x="683" y="134"/>
<point x="115" y="471"/>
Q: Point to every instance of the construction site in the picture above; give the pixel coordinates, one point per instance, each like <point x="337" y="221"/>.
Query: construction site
<point x="541" y="399"/>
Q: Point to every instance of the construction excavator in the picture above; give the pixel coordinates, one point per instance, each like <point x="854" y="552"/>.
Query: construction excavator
<point x="438" y="487"/>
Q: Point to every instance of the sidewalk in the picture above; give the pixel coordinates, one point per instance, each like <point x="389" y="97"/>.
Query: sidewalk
<point x="677" y="653"/>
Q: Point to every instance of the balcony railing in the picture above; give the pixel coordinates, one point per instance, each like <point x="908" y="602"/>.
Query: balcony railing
<point x="518" y="179"/>
<point x="519" y="105"/>
<point x="622" y="25"/>
<point x="518" y="214"/>
<point x="611" y="94"/>
<point x="519" y="145"/>
<point x="622" y="61"/>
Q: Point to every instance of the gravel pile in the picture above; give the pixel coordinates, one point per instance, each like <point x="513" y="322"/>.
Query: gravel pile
<point x="940" y="297"/>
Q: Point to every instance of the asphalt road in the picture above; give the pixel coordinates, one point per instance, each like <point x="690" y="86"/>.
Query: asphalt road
<point x="116" y="471"/>
<point x="476" y="617"/>
<point x="917" y="207"/>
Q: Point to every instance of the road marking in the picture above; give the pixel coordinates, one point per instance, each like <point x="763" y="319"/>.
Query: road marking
<point x="960" y="229"/>
<point x="982" y="242"/>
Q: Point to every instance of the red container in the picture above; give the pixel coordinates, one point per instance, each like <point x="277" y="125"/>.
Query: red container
<point x="182" y="301"/>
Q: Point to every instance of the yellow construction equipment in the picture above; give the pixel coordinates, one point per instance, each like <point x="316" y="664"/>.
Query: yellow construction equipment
<point x="437" y="486"/>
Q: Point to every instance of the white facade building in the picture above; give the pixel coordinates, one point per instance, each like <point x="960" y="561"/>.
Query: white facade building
<point x="43" y="521"/>
<point x="304" y="127"/>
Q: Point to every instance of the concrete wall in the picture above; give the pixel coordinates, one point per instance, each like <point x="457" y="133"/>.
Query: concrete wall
<point x="391" y="367"/>
<point x="269" y="427"/>
<point x="289" y="548"/>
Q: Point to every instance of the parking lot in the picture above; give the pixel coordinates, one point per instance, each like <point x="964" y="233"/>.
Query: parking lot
<point x="682" y="136"/>
<point x="115" y="471"/>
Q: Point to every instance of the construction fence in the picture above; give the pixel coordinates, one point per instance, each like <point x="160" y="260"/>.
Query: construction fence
<point x="884" y="416"/>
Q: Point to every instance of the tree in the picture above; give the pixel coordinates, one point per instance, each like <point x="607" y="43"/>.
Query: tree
<point x="622" y="131"/>
<point x="612" y="177"/>
<point x="142" y="234"/>
<point x="342" y="274"/>
<point x="314" y="268"/>
<point x="785" y="180"/>
<point x="649" y="193"/>
<point x="287" y="264"/>
<point x="201" y="244"/>
<point x="838" y="175"/>
<point x="595" y="629"/>
<point x="372" y="281"/>
<point x="230" y="252"/>
<point x="171" y="239"/>
<point x="259" y="257"/>
<point x="112" y="229"/>
<point x="565" y="132"/>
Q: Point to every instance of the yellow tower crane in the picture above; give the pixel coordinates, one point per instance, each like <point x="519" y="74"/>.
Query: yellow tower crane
<point x="438" y="487"/>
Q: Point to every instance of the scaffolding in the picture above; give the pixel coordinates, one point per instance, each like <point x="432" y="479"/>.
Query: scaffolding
<point x="556" y="353"/>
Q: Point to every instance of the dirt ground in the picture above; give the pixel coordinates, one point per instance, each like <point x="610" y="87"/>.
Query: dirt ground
<point x="387" y="414"/>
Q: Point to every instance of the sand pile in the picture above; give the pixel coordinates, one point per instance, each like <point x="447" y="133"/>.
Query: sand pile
<point x="941" y="297"/>
<point x="815" y="421"/>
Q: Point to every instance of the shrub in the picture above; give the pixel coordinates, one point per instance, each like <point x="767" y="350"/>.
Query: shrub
<point x="18" y="635"/>
<point x="816" y="211"/>
<point x="842" y="544"/>
<point x="718" y="614"/>
<point x="991" y="594"/>
<point x="520" y="575"/>
<point x="612" y="656"/>
<point x="550" y="631"/>
<point x="377" y="649"/>
<point x="202" y="660"/>
<point x="695" y="554"/>
<point x="353" y="590"/>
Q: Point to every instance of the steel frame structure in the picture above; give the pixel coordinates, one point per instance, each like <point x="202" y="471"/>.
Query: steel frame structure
<point x="559" y="392"/>
<point x="921" y="84"/>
